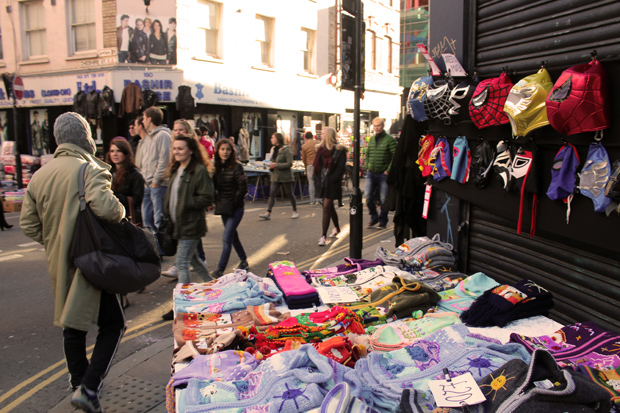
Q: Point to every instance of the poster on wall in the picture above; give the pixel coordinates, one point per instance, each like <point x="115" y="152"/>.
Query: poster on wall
<point x="146" y="35"/>
<point x="39" y="132"/>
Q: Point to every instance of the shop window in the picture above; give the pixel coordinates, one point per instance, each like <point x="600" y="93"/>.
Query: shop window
<point x="34" y="29"/>
<point x="209" y="24"/>
<point x="307" y="50"/>
<point x="82" y="14"/>
<point x="264" y="38"/>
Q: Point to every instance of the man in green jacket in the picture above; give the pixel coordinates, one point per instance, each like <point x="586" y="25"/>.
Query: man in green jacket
<point x="379" y="155"/>
<point x="49" y="215"/>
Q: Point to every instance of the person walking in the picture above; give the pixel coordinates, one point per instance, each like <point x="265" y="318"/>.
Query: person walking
<point x="281" y="174"/>
<point x="182" y="127"/>
<point x="185" y="204"/>
<point x="308" y="153"/>
<point x="379" y="154"/>
<point x="49" y="215"/>
<point x="329" y="168"/>
<point x="153" y="160"/>
<point x="231" y="186"/>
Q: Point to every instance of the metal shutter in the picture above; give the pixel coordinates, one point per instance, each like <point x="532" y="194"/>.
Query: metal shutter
<point x="520" y="34"/>
<point x="585" y="286"/>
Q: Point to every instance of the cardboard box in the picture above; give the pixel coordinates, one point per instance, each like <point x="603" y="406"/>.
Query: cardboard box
<point x="11" y="206"/>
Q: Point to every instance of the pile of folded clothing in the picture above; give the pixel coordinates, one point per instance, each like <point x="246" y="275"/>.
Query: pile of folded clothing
<point x="297" y="292"/>
<point x="419" y="253"/>
<point x="505" y="303"/>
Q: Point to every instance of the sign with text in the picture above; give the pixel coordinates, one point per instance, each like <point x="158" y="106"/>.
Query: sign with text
<point x="457" y="391"/>
<point x="334" y="295"/>
<point x="453" y="66"/>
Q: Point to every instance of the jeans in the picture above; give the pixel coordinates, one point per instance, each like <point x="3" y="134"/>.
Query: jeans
<point x="186" y="253"/>
<point x="310" y="176"/>
<point x="230" y="238"/>
<point x="153" y="207"/>
<point x="288" y="192"/>
<point x="111" y="324"/>
<point x="372" y="182"/>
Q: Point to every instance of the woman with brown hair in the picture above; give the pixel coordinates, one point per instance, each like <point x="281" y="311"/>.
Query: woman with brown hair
<point x="231" y="186"/>
<point x="185" y="204"/>
<point x="127" y="182"/>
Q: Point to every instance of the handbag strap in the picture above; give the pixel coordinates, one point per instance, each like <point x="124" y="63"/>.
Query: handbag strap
<point x="132" y="212"/>
<point x="81" y="186"/>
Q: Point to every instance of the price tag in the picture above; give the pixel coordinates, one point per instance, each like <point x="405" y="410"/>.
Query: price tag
<point x="452" y="65"/>
<point x="427" y="201"/>
<point x="435" y="71"/>
<point x="458" y="392"/>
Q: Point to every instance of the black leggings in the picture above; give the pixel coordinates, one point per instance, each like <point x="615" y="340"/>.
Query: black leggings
<point x="329" y="212"/>
<point x="111" y="324"/>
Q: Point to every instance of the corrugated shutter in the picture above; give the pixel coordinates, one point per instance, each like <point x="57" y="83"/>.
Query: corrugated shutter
<point x="520" y="34"/>
<point x="586" y="287"/>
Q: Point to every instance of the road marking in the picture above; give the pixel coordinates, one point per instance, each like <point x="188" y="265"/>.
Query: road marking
<point x="28" y="244"/>
<point x="51" y="379"/>
<point x="10" y="257"/>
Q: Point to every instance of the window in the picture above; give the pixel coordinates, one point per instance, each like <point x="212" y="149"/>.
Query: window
<point x="371" y="50"/>
<point x="388" y="41"/>
<point x="34" y="29"/>
<point x="307" y="50"/>
<point x="82" y="25"/>
<point x="264" y="37"/>
<point x="209" y="25"/>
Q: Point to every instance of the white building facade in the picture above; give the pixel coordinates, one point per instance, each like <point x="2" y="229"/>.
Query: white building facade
<point x="265" y="65"/>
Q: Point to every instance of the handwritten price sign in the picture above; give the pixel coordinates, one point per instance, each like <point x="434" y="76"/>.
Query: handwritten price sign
<point x="452" y="65"/>
<point x="459" y="391"/>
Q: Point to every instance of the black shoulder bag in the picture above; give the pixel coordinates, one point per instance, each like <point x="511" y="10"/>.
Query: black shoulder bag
<point x="116" y="257"/>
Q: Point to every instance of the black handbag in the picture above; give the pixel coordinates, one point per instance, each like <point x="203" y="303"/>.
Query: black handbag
<point x="167" y="243"/>
<point x="116" y="257"/>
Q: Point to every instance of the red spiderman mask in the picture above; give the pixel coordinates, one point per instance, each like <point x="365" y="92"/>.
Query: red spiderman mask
<point x="486" y="107"/>
<point x="579" y="100"/>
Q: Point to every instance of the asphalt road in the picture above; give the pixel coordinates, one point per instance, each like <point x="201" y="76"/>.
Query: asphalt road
<point x="34" y="377"/>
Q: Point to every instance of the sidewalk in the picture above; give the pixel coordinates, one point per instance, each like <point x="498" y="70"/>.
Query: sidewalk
<point x="137" y="383"/>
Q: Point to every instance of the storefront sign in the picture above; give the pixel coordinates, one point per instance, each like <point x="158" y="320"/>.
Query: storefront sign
<point x="165" y="83"/>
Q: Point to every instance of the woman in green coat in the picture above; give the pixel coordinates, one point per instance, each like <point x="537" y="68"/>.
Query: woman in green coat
<point x="281" y="174"/>
<point x="186" y="202"/>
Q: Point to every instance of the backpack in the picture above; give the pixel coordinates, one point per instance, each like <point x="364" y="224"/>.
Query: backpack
<point x="594" y="176"/>
<point x="461" y="162"/>
<point x="427" y="143"/>
<point x="482" y="163"/>
<point x="564" y="176"/>
<point x="441" y="158"/>
<point x="579" y="101"/>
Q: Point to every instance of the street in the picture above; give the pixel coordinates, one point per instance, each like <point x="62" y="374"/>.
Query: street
<point x="34" y="375"/>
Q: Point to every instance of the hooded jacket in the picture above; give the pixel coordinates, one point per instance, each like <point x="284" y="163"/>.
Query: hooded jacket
<point x="49" y="214"/>
<point x="155" y="156"/>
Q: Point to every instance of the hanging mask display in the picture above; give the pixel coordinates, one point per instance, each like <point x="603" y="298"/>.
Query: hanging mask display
<point x="524" y="178"/>
<point x="564" y="176"/>
<point x="594" y="176"/>
<point x="459" y="100"/>
<point x="482" y="163"/>
<point x="486" y="107"/>
<point x="579" y="101"/>
<point x="502" y="163"/>
<point x="441" y="159"/>
<point x="525" y="105"/>
<point x="427" y="144"/>
<point x="461" y="160"/>
<point x="417" y="95"/>
<point x="437" y="102"/>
